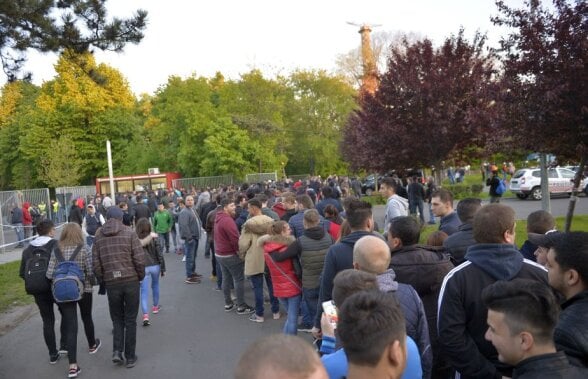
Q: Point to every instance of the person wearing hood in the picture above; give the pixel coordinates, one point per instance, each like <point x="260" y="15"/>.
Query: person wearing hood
<point x="372" y="255"/>
<point x="423" y="268"/>
<point x="44" y="244"/>
<point x="340" y="255"/>
<point x="27" y="219"/>
<point x="396" y="206"/>
<point x="285" y="280"/>
<point x="461" y="312"/>
<point x="119" y="261"/>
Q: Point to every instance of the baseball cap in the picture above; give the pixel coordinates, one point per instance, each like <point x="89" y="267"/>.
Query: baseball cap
<point x="546" y="240"/>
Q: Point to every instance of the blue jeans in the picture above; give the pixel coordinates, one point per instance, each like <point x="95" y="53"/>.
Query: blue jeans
<point x="151" y="277"/>
<point x="190" y="249"/>
<point x="89" y="241"/>
<point x="164" y="241"/>
<point x="417" y="205"/>
<point x="257" y="282"/>
<point x="233" y="273"/>
<point x="291" y="304"/>
<point x="311" y="296"/>
<point x="431" y="214"/>
<point x="19" y="230"/>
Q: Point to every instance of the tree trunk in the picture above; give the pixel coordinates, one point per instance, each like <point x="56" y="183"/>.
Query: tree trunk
<point x="545" y="198"/>
<point x="574" y="198"/>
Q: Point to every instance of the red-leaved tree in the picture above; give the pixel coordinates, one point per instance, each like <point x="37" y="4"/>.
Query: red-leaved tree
<point x="430" y="103"/>
<point x="545" y="79"/>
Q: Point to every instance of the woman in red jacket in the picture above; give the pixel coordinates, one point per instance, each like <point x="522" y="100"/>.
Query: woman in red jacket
<point x="286" y="282"/>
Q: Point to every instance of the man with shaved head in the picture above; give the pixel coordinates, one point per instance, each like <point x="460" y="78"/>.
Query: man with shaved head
<point x="280" y="356"/>
<point x="371" y="254"/>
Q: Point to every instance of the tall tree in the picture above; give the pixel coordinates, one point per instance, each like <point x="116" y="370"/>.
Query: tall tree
<point x="88" y="104"/>
<point x="545" y="61"/>
<point x="316" y="110"/>
<point x="430" y="103"/>
<point x="53" y="26"/>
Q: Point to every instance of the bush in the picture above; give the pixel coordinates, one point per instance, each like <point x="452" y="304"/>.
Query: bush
<point x="375" y="199"/>
<point x="462" y="191"/>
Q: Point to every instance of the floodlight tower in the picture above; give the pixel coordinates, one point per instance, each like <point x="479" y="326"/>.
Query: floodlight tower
<point x="369" y="80"/>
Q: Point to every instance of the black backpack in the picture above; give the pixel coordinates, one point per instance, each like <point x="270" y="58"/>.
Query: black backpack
<point x="35" y="278"/>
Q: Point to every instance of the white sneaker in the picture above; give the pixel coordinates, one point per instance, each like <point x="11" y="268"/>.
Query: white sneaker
<point x="184" y="259"/>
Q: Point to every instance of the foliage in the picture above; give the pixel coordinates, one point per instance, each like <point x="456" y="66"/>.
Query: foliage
<point x="53" y="26"/>
<point x="430" y="103"/>
<point x="61" y="166"/>
<point x="545" y="58"/>
<point x="13" y="292"/>
<point x="316" y="110"/>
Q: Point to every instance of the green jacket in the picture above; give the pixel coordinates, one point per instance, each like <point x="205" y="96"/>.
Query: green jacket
<point x="162" y="221"/>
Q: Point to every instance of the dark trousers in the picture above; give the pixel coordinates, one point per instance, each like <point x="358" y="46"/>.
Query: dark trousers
<point x="86" y="312"/>
<point x="69" y="312"/>
<point x="45" y="303"/>
<point x="123" y="303"/>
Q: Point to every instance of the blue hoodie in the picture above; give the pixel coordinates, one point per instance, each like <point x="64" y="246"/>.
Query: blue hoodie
<point x="500" y="261"/>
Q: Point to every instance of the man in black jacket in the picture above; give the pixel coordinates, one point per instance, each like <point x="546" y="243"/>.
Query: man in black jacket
<point x="523" y="335"/>
<point x="458" y="243"/>
<point x="462" y="314"/>
<point x="567" y="263"/>
<point x="44" y="300"/>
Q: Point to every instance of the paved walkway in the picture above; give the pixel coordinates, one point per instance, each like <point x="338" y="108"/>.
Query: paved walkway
<point x="192" y="337"/>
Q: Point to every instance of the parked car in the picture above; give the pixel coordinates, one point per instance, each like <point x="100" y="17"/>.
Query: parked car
<point x="368" y="185"/>
<point x="527" y="182"/>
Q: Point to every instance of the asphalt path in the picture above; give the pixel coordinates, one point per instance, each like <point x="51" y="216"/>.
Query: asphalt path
<point x="192" y="336"/>
<point x="559" y="207"/>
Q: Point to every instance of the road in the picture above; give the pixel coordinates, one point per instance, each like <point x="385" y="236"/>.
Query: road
<point x="192" y="336"/>
<point x="559" y="207"/>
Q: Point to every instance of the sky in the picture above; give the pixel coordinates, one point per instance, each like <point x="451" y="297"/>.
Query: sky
<point x="186" y="37"/>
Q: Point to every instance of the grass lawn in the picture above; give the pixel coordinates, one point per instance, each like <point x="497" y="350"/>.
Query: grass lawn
<point x="13" y="292"/>
<point x="579" y="223"/>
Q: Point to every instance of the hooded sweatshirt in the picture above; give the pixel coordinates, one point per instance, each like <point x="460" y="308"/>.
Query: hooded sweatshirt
<point x="117" y="254"/>
<point x="414" y="314"/>
<point x="462" y="315"/>
<point x="396" y="206"/>
<point x="27" y="219"/>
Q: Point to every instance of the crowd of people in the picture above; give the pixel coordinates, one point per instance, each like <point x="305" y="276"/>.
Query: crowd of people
<point x="448" y="308"/>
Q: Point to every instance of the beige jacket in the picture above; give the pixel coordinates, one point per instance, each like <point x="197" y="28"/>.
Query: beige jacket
<point x="254" y="228"/>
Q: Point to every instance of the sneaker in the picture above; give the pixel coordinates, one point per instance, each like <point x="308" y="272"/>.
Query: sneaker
<point x="192" y="280"/>
<point x="196" y="275"/>
<point x="184" y="259"/>
<point x="217" y="289"/>
<point x="277" y="316"/>
<point x="117" y="358"/>
<point x="156" y="309"/>
<point x="97" y="344"/>
<point x="213" y="278"/>
<point x="245" y="310"/>
<point x="229" y="307"/>
<point x="256" y="318"/>
<point x="146" y="321"/>
<point x="74" y="371"/>
<point x="131" y="362"/>
<point x="54" y="358"/>
<point x="62" y="350"/>
<point x="304" y="328"/>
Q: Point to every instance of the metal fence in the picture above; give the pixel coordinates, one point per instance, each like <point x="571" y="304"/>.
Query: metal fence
<point x="65" y="195"/>
<point x="38" y="198"/>
<point x="296" y="178"/>
<point x="204" y="181"/>
<point x="261" y="177"/>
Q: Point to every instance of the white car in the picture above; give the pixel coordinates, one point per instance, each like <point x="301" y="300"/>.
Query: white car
<point x="527" y="182"/>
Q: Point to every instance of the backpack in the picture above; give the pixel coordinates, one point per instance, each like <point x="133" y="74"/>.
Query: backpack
<point x="35" y="278"/>
<point x="68" y="278"/>
<point x="501" y="188"/>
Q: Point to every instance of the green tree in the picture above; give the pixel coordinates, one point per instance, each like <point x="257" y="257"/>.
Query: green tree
<point x="87" y="104"/>
<point x="55" y="26"/>
<point x="317" y="107"/>
<point x="61" y="166"/>
<point x="17" y="108"/>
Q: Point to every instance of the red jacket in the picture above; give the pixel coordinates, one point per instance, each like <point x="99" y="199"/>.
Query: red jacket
<point x="284" y="279"/>
<point x="27" y="219"/>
